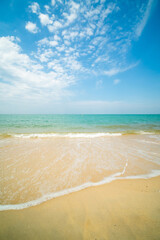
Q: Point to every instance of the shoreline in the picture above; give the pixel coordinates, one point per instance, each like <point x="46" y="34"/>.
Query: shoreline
<point x="122" y="209"/>
<point x="107" y="180"/>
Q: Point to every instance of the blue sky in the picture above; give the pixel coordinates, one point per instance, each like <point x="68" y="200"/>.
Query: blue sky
<point x="70" y="56"/>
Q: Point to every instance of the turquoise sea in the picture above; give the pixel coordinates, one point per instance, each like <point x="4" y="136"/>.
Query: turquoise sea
<point x="78" y="123"/>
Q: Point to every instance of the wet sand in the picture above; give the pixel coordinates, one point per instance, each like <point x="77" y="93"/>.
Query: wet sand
<point x="120" y="210"/>
<point x="36" y="168"/>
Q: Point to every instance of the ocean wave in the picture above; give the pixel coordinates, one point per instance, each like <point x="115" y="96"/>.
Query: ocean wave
<point x="116" y="176"/>
<point x="73" y="134"/>
<point x="61" y="135"/>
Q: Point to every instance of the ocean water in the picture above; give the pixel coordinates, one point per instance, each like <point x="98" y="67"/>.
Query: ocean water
<point x="100" y="123"/>
<point x="46" y="156"/>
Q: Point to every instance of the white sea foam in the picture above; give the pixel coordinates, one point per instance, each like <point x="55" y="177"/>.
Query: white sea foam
<point x="149" y="142"/>
<point x="69" y="135"/>
<point x="116" y="176"/>
<point x="74" y="134"/>
<point x="144" y="133"/>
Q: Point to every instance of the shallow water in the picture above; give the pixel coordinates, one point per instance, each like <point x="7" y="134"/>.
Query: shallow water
<point x="37" y="166"/>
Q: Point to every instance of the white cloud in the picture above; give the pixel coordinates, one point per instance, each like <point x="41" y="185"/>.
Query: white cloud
<point x="70" y="35"/>
<point x="44" y="19"/>
<point x="50" y="28"/>
<point x="71" y="17"/>
<point x="101" y="59"/>
<point x="56" y="25"/>
<point x="73" y="13"/>
<point x="53" y="2"/>
<point x="145" y="16"/>
<point x="116" y="81"/>
<point x="53" y="43"/>
<point x="74" y="6"/>
<point x="35" y="7"/>
<point x="61" y="48"/>
<point x="56" y="66"/>
<point x="46" y="55"/>
<point x="89" y="31"/>
<point x="31" y="27"/>
<point x="64" y="32"/>
<point x="82" y="34"/>
<point x="47" y="42"/>
<point x="66" y="42"/>
<point x="47" y="8"/>
<point x="24" y="78"/>
<point x="75" y="65"/>
<point x="93" y="12"/>
<point x="114" y="71"/>
<point x="110" y="9"/>
<point x="43" y="41"/>
<point x="57" y="38"/>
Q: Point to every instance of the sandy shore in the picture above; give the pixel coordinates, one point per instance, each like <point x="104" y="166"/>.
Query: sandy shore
<point x="123" y="209"/>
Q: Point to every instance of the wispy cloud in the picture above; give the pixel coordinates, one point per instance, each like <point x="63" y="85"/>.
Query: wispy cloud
<point x="116" y="81"/>
<point x="115" y="71"/>
<point x="144" y="19"/>
<point x="35" y="8"/>
<point x="105" y="39"/>
<point x="53" y="2"/>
